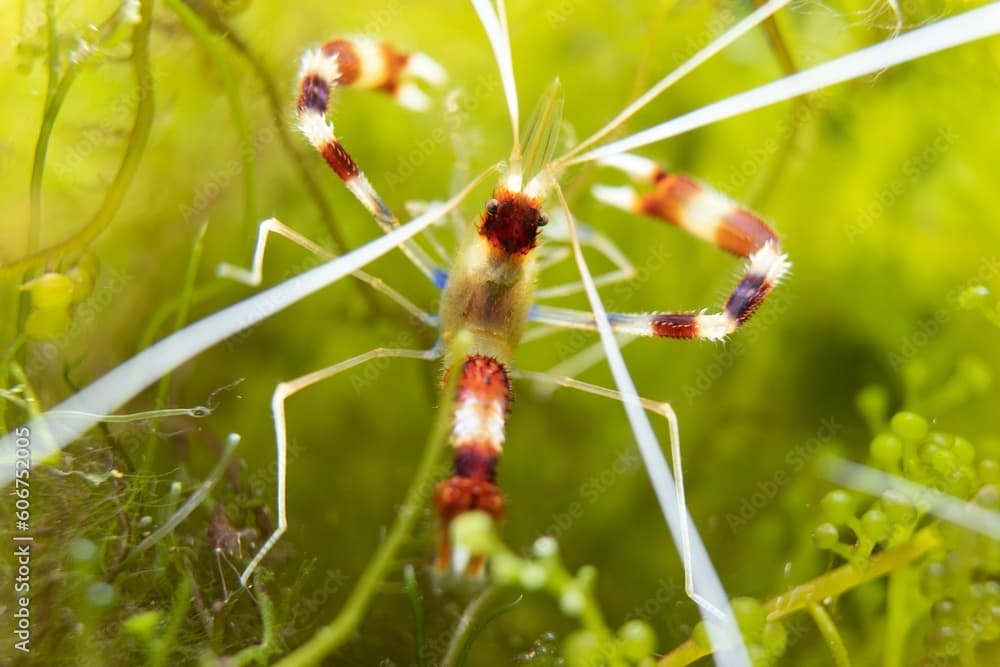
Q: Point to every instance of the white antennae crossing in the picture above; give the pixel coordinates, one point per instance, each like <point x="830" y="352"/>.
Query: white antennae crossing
<point x="759" y="15"/>
<point x="74" y="416"/>
<point x="961" y="29"/>
<point x="495" y="26"/>
<point x="702" y="582"/>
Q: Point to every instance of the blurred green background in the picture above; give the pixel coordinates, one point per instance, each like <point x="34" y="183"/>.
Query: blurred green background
<point x="883" y="191"/>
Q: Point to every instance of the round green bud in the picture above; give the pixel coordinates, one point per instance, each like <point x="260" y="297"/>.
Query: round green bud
<point x="915" y="374"/>
<point x="944" y="461"/>
<point x="572" y="601"/>
<point x="83" y="283"/>
<point x="934" y="579"/>
<point x="943" y="612"/>
<point x="960" y="483"/>
<point x="637" y="640"/>
<point x="533" y="576"/>
<point x="964" y="451"/>
<point x="82" y="550"/>
<point x="943" y="640"/>
<point x="976" y="374"/>
<point x="750" y="616"/>
<point x="474" y="531"/>
<point x="47" y="324"/>
<point x="826" y="536"/>
<point x="886" y="449"/>
<point x="876" y="524"/>
<point x="545" y="547"/>
<point x="946" y="440"/>
<point x="100" y="593"/>
<point x="142" y="624"/>
<point x="909" y="425"/>
<point x="897" y="506"/>
<point x="988" y="496"/>
<point x="506" y="568"/>
<point x="775" y="639"/>
<point x="989" y="471"/>
<point x="586" y="576"/>
<point x="582" y="648"/>
<point x="838" y="506"/>
<point x="50" y="291"/>
<point x="872" y="402"/>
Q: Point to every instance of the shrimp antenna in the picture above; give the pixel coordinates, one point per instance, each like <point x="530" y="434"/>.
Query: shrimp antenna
<point x="702" y="582"/>
<point x="74" y="416"/>
<point x="494" y="20"/>
<point x="954" y="31"/>
<point x="760" y="15"/>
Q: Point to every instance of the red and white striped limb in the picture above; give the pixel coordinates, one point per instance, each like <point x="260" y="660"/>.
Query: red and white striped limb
<point x="362" y="63"/>
<point x="707" y="214"/>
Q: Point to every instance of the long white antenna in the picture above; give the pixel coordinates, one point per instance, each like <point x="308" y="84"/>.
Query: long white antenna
<point x="926" y="498"/>
<point x="496" y="32"/>
<point x="81" y="411"/>
<point x="947" y="33"/>
<point x="760" y="15"/>
<point x="711" y="596"/>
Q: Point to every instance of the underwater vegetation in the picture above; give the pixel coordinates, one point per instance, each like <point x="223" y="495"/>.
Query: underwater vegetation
<point x="841" y="451"/>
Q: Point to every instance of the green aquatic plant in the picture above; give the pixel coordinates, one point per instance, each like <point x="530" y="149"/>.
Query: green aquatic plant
<point x="121" y="203"/>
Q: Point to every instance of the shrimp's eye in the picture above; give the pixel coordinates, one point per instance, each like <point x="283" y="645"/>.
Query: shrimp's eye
<point x="542" y="219"/>
<point x="491" y="206"/>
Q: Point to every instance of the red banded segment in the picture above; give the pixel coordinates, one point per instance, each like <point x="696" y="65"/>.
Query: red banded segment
<point x="362" y="63"/>
<point x="368" y="64"/>
<point x="746" y="297"/>
<point x="709" y="215"/>
<point x="674" y="325"/>
<point x="689" y="204"/>
<point x="482" y="400"/>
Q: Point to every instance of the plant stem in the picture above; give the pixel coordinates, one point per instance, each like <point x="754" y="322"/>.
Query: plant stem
<point x="831" y="635"/>
<point x="160" y="649"/>
<point x="268" y="641"/>
<point x="831" y="584"/>
<point x="846" y="577"/>
<point x="55" y="93"/>
<point x="130" y="161"/>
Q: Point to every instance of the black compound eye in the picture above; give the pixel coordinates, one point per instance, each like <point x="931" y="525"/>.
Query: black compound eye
<point x="491" y="206"/>
<point x="542" y="219"/>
